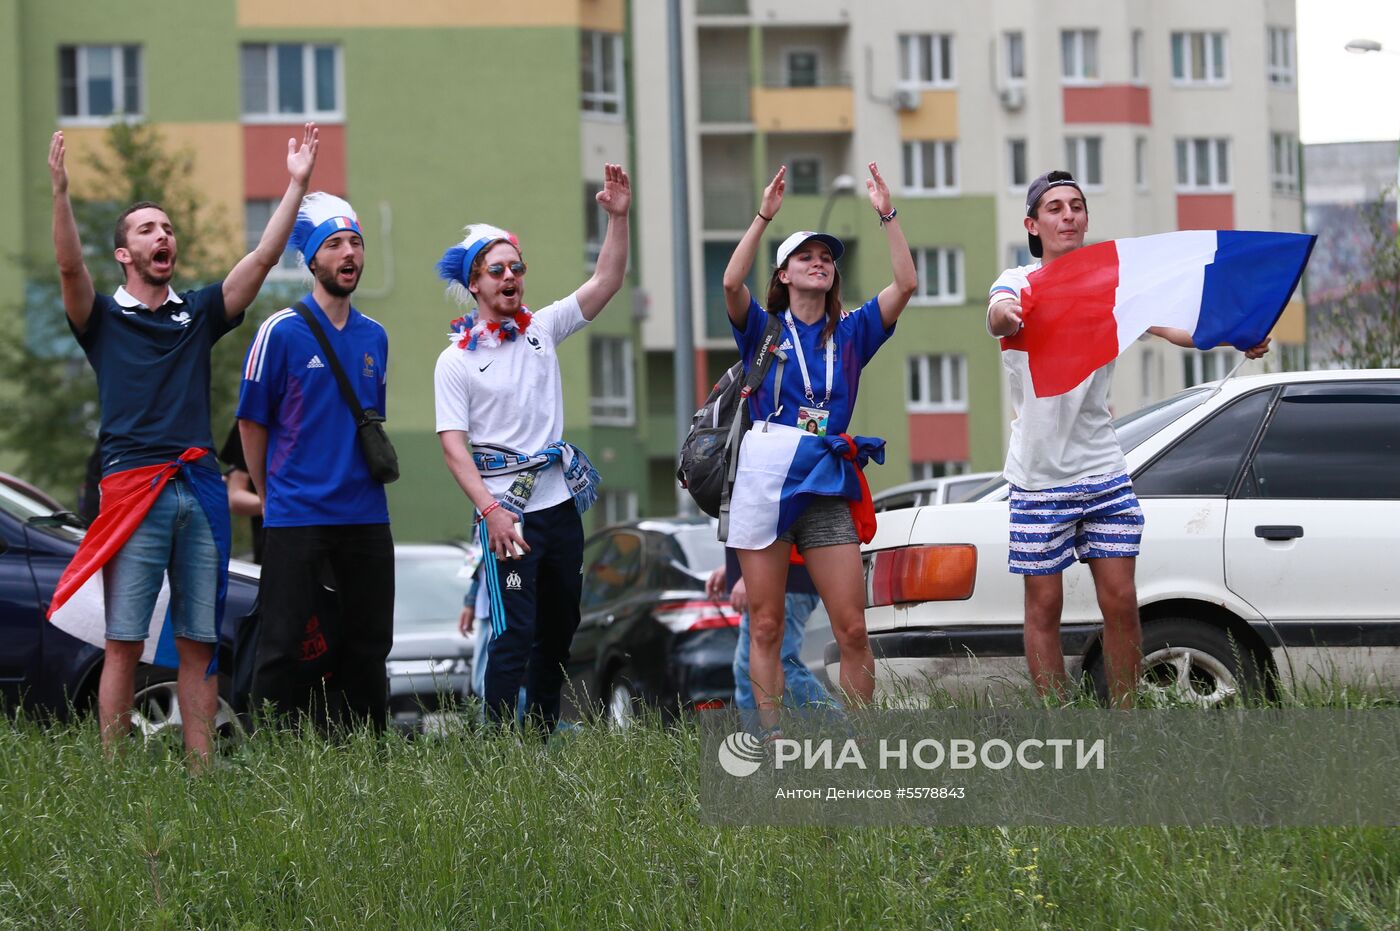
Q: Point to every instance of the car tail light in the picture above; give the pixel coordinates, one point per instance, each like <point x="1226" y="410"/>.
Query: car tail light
<point x="921" y="573"/>
<point x="683" y="616"/>
<point x="714" y="704"/>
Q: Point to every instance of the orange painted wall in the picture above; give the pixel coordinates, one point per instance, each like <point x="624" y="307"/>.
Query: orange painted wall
<point x="938" y="437"/>
<point x="265" y="160"/>
<point x="1111" y="103"/>
<point x="1205" y="211"/>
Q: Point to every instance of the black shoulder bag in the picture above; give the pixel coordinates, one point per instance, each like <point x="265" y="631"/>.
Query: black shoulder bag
<point x="369" y="423"/>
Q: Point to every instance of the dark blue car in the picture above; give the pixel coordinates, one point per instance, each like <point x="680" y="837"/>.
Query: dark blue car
<point x="46" y="672"/>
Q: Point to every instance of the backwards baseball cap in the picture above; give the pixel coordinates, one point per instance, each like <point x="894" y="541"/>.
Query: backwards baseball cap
<point x="455" y="266"/>
<point x="1051" y="179"/>
<point x="790" y="245"/>
<point x="320" y="217"/>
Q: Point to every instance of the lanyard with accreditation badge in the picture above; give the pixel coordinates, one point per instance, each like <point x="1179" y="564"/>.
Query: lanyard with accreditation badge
<point x="813" y="416"/>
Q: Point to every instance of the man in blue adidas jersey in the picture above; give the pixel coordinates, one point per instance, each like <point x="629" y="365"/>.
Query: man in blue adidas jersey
<point x="322" y="507"/>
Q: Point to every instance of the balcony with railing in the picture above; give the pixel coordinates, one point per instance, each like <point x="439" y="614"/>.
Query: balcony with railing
<point x="725" y="98"/>
<point x="721" y="7"/>
<point x="727" y="207"/>
<point x="824" y="104"/>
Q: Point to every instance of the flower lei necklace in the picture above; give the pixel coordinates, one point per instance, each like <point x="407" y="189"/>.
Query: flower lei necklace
<point x="468" y="331"/>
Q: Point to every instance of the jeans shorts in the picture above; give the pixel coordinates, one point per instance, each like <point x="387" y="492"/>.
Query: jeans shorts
<point x="826" y="521"/>
<point x="175" y="536"/>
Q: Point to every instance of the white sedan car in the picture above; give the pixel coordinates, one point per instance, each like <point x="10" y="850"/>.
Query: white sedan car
<point x="1269" y="556"/>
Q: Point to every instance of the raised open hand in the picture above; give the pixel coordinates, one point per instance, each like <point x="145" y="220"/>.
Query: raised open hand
<point x="772" y="200"/>
<point x="58" y="171"/>
<point x="616" y="195"/>
<point x="879" y="191"/>
<point x="301" y="159"/>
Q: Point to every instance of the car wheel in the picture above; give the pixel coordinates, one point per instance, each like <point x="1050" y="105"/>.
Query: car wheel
<point x="624" y="700"/>
<point x="156" y="709"/>
<point x="1189" y="662"/>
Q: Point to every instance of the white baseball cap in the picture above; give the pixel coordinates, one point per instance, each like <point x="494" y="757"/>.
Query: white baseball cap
<point x="790" y="245"/>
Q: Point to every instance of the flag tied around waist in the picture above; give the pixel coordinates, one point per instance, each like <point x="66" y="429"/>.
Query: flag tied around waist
<point x="78" y="600"/>
<point x="782" y="468"/>
<point x="1223" y="286"/>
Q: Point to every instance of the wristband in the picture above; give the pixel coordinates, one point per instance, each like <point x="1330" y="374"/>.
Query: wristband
<point x="763" y="218"/>
<point x="887" y="217"/>
<point x="489" y="508"/>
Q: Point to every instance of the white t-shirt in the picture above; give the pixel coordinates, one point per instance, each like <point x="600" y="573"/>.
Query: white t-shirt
<point x="512" y="396"/>
<point x="1059" y="440"/>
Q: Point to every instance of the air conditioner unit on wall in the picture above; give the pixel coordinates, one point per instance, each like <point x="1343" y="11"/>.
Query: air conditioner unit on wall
<point x="906" y="98"/>
<point x="1013" y="98"/>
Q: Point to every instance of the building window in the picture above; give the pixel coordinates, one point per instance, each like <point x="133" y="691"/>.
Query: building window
<point x="1013" y="46"/>
<point x="1140" y="162"/>
<point x="1084" y="159"/>
<point x="1016" y="163"/>
<point x="940" y="275"/>
<point x="1019" y="254"/>
<point x="611" y="400"/>
<point x="619" y="506"/>
<point x="1079" y="55"/>
<point x="930" y="167"/>
<point x="922" y="471"/>
<point x="1139" y="70"/>
<point x="595" y="222"/>
<point x="1211" y="365"/>
<point x="803" y="68"/>
<point x="1282" y="58"/>
<point x="937" y="382"/>
<point x="99" y="82"/>
<point x="926" y="60"/>
<point x="256" y="214"/>
<point x="1203" y="164"/>
<point x="291" y="82"/>
<point x="600" y="62"/>
<point x="1283" y="149"/>
<point x="1199" y="58"/>
<point x="804" y="175"/>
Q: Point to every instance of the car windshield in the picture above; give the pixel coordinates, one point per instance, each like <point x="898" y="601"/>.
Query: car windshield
<point x="702" y="551"/>
<point x="1133" y="429"/>
<point x="39" y="515"/>
<point x="428" y="592"/>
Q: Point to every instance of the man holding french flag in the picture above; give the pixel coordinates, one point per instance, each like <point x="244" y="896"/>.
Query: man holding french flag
<point x="1062" y="322"/>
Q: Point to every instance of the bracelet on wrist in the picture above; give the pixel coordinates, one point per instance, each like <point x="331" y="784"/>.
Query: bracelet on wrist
<point x="887" y="217"/>
<point x="763" y="218"/>
<point x="489" y="508"/>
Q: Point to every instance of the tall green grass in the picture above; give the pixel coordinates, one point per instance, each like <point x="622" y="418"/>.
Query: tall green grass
<point x="599" y="829"/>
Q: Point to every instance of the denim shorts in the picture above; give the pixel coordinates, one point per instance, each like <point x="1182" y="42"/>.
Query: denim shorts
<point x="826" y="521"/>
<point x="174" y="536"/>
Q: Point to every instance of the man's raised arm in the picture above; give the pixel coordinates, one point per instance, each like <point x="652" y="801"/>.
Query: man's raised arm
<point x="615" y="198"/>
<point x="243" y="283"/>
<point x="74" y="281"/>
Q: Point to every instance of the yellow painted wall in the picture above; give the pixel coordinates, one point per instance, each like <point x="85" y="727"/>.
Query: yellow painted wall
<point x="936" y="118"/>
<point x="419" y="13"/>
<point x="602" y="15"/>
<point x="1292" y="327"/>
<point x="218" y="164"/>
<point x="803" y="109"/>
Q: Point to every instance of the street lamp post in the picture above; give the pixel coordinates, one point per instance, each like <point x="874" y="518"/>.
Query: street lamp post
<point x="1361" y="47"/>
<point x="841" y="184"/>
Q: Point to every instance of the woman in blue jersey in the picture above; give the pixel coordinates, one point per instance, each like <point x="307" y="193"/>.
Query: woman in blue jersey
<point x="825" y="351"/>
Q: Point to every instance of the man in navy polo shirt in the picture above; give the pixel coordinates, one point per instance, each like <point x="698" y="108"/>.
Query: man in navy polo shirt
<point x="149" y="347"/>
<point x="322" y="505"/>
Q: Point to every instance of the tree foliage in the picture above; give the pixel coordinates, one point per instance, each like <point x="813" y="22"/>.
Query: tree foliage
<point x="1361" y="325"/>
<point x="52" y="410"/>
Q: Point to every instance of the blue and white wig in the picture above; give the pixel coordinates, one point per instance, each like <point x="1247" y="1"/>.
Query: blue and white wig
<point x="455" y="266"/>
<point x="320" y="217"/>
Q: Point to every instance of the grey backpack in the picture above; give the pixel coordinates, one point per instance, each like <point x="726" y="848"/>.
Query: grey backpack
<point x="709" y="457"/>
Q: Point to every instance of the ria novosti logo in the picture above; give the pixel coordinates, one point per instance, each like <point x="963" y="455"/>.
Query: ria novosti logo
<point x="741" y="754"/>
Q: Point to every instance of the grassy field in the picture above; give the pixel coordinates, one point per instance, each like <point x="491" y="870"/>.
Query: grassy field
<point x="599" y="830"/>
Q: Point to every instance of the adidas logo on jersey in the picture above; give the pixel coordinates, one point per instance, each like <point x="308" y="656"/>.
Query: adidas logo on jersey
<point x="786" y="346"/>
<point x="315" y="363"/>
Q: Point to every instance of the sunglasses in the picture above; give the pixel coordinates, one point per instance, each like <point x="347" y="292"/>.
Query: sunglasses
<point x="498" y="269"/>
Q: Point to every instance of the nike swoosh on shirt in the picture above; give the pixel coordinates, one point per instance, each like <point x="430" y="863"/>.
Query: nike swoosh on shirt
<point x="129" y="313"/>
<point x="486" y="366"/>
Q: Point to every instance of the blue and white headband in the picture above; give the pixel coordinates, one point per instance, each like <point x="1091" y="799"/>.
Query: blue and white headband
<point x="455" y="266"/>
<point x="320" y="217"/>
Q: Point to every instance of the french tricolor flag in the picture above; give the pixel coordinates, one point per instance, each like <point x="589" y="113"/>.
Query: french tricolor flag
<point x="1222" y="286"/>
<point x="782" y="468"/>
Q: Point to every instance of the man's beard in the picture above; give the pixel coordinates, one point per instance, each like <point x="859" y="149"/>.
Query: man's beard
<point x="142" y="267"/>
<point x="328" y="279"/>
